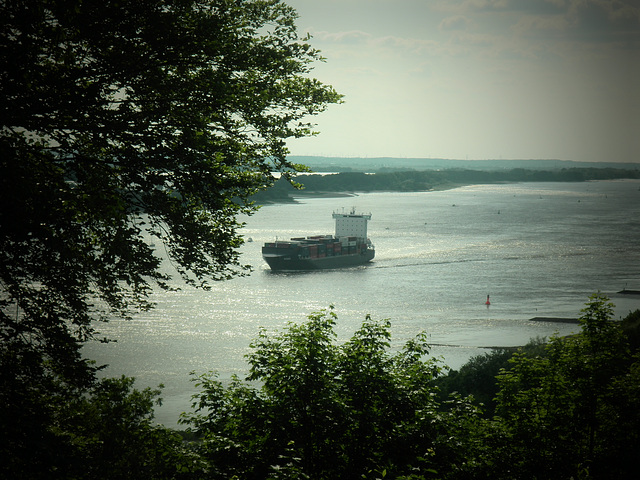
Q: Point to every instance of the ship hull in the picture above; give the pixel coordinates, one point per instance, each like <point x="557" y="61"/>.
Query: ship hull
<point x="288" y="263"/>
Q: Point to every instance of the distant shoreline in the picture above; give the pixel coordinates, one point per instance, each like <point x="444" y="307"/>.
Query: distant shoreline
<point x="348" y="184"/>
<point x="301" y="194"/>
<point x="317" y="194"/>
<point x="379" y="164"/>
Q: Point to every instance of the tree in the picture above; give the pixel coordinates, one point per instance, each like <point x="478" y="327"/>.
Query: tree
<point x="105" y="431"/>
<point x="123" y="121"/>
<point x="134" y="117"/>
<point x="318" y="409"/>
<point x="477" y="377"/>
<point x="574" y="410"/>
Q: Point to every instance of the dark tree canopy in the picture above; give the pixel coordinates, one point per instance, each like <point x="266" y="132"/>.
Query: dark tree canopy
<point x="136" y="117"/>
<point x="319" y="409"/>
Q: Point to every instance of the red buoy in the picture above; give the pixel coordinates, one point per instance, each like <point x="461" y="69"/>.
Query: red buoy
<point x="487" y="302"/>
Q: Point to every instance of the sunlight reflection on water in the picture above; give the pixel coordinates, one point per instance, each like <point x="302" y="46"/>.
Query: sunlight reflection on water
<point x="548" y="248"/>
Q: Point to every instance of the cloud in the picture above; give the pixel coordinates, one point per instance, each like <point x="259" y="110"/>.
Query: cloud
<point x="485" y="4"/>
<point x="583" y="21"/>
<point x="456" y="22"/>
<point x="365" y="41"/>
<point x="535" y="23"/>
<point x="540" y="6"/>
<point x="411" y="45"/>
<point x="422" y="71"/>
<point x="347" y="37"/>
<point x="601" y="15"/>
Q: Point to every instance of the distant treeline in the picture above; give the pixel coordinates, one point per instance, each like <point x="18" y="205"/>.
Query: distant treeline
<point x="414" y="181"/>
<point x="380" y="164"/>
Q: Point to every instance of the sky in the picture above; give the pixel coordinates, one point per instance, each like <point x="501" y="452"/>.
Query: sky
<point x="477" y="79"/>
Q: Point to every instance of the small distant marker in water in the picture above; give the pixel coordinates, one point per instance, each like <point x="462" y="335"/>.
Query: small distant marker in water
<point x="487" y="302"/>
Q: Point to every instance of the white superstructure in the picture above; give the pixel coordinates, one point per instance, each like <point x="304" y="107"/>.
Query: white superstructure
<point x="351" y="224"/>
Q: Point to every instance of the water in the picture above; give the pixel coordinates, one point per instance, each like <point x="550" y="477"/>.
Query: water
<point x="539" y="250"/>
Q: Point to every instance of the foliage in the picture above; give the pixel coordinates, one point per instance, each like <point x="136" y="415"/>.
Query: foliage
<point x="574" y="411"/>
<point x="316" y="409"/>
<point x="631" y="328"/>
<point x="476" y="378"/>
<point x="313" y="407"/>
<point x="134" y="118"/>
<point x="127" y="123"/>
<point x="103" y="432"/>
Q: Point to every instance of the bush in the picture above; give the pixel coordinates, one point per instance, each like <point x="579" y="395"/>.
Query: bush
<point x="329" y="411"/>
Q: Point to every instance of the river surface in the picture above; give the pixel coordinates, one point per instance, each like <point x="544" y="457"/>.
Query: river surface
<point x="538" y="250"/>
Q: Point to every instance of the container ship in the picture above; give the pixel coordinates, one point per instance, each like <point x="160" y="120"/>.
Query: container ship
<point x="349" y="247"/>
